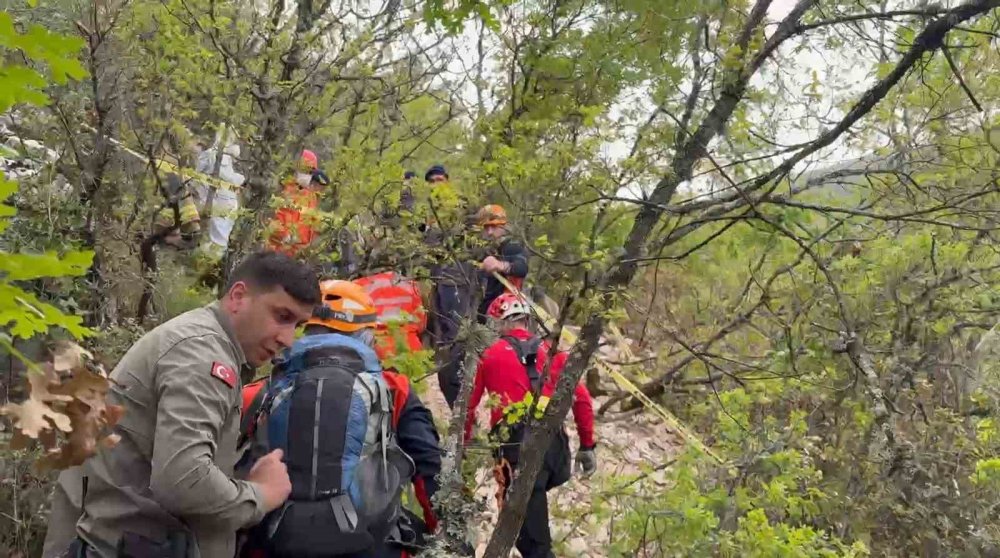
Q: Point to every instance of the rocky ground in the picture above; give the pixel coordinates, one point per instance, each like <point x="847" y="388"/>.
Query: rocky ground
<point x="624" y="444"/>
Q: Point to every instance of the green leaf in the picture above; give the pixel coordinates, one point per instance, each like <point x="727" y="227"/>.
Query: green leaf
<point x="21" y="85"/>
<point x="23" y="267"/>
<point x="7" y="189"/>
<point x="26" y="316"/>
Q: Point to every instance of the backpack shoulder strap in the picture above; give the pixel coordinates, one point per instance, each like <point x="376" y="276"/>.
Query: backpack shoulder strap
<point x="250" y="394"/>
<point x="527" y="355"/>
<point x="399" y="386"/>
<point x="310" y="342"/>
<point x="254" y="395"/>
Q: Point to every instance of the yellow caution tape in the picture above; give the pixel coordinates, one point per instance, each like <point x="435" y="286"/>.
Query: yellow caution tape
<point x="623" y="382"/>
<point x="625" y="349"/>
<point x="183" y="172"/>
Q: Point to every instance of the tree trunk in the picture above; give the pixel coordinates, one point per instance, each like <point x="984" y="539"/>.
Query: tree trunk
<point x="96" y="196"/>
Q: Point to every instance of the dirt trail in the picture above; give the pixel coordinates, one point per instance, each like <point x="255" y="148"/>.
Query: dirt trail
<point x="623" y="444"/>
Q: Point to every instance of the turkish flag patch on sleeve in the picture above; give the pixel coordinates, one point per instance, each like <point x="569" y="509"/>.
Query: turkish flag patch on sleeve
<point x="224" y="373"/>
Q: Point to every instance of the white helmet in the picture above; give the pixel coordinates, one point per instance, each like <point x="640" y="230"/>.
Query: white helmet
<point x="508" y="305"/>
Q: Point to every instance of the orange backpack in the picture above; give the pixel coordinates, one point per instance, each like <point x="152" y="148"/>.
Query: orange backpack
<point x="393" y="296"/>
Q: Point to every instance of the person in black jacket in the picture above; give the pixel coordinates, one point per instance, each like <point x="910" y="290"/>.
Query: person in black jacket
<point x="508" y="258"/>
<point x="454" y="275"/>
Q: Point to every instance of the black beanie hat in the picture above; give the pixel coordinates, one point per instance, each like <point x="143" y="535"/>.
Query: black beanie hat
<point x="436" y="169"/>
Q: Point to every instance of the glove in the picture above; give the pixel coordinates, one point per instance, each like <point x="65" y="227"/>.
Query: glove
<point x="586" y="461"/>
<point x="320" y="178"/>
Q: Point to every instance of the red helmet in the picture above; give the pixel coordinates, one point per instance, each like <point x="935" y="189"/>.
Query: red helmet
<point x="508" y="305"/>
<point x="308" y="160"/>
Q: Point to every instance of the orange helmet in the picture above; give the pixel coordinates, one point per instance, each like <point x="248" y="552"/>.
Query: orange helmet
<point x="492" y="214"/>
<point x="346" y="307"/>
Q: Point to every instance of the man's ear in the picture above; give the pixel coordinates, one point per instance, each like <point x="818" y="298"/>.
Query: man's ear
<point x="238" y="293"/>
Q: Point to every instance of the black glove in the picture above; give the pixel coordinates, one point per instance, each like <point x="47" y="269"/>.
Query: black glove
<point x="586" y="461"/>
<point x="320" y="177"/>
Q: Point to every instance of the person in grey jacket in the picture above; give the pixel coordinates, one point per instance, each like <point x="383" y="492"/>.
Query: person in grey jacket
<point x="167" y="488"/>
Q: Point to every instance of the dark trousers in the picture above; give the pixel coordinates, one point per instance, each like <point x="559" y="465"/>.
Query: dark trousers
<point x="415" y="533"/>
<point x="451" y="305"/>
<point x="450" y="372"/>
<point x="535" y="538"/>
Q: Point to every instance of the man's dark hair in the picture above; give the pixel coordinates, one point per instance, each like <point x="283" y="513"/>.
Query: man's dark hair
<point x="268" y="269"/>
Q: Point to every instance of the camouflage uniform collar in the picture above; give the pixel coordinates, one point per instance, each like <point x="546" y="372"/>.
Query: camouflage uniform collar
<point x="227" y="326"/>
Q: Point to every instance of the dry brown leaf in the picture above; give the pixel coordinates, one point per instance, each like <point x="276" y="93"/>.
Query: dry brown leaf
<point x="86" y="386"/>
<point x="32" y="417"/>
<point x="49" y="439"/>
<point x="89" y="421"/>
<point x="19" y="441"/>
<point x="69" y="356"/>
<point x="77" y="407"/>
<point x="41" y="382"/>
<point x="81" y="442"/>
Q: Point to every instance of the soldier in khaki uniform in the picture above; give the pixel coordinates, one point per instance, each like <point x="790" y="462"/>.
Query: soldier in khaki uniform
<point x="167" y="488"/>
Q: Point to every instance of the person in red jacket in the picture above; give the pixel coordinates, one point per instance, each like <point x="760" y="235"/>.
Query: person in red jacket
<point x="514" y="366"/>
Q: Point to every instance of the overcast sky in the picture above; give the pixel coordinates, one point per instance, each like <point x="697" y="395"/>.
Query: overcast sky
<point x="840" y="76"/>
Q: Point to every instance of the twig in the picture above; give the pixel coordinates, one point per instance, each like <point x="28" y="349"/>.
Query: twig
<point x="958" y="76"/>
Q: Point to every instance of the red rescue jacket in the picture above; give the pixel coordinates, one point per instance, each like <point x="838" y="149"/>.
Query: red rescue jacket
<point x="501" y="373"/>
